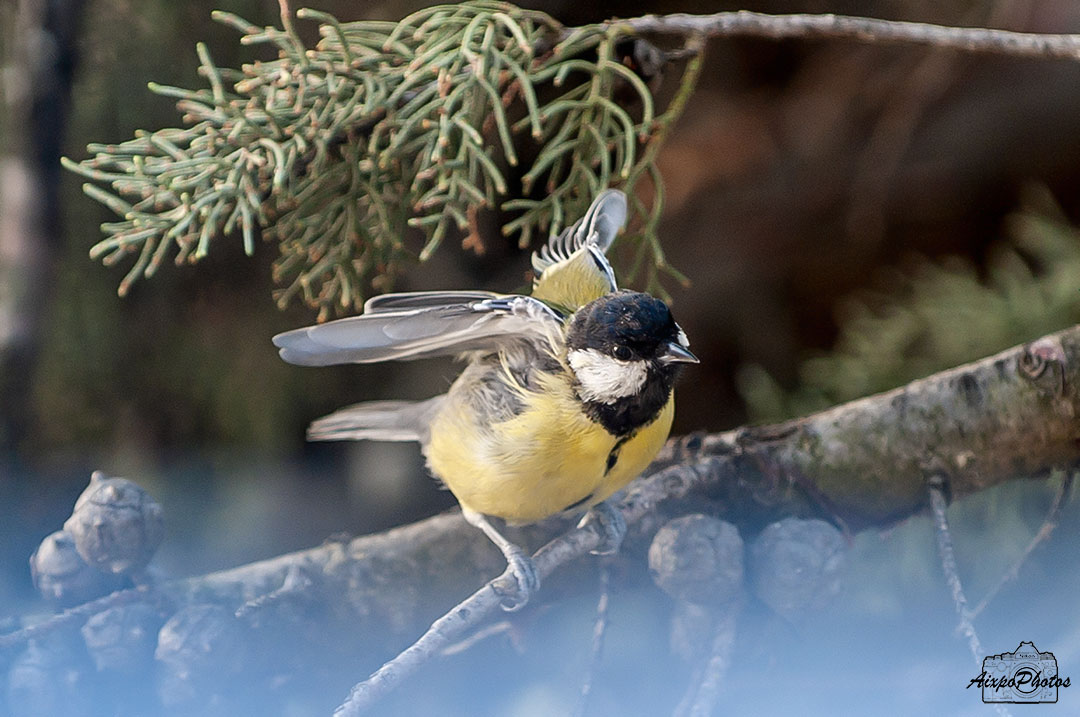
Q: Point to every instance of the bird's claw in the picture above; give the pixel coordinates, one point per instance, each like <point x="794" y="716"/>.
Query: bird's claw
<point x="608" y="522"/>
<point x="521" y="569"/>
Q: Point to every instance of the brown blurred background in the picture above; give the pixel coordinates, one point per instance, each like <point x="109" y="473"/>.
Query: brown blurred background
<point x="802" y="174"/>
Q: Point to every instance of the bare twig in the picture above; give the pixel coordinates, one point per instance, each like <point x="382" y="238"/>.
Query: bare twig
<point x="295" y="582"/>
<point x="599" y="630"/>
<point x="77" y="614"/>
<point x="707" y="681"/>
<point x="462" y="617"/>
<point x="438" y="637"/>
<point x="495" y="628"/>
<point x="937" y="484"/>
<point x="868" y="30"/>
<point x="1061" y="497"/>
<point x="938" y="509"/>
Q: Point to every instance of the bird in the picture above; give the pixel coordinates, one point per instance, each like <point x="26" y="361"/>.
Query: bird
<point x="565" y="397"/>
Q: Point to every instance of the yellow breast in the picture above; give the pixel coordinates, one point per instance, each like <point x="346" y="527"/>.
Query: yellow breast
<point x="549" y="457"/>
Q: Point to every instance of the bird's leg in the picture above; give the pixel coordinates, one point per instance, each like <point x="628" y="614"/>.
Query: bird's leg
<point x="609" y="524"/>
<point x="519" y="564"/>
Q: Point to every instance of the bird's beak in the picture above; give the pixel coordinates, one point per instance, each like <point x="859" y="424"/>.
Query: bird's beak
<point x="677" y="353"/>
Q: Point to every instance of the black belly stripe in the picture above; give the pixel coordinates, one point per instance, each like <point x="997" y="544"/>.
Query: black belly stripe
<point x="612" y="459"/>
<point x="613" y="456"/>
<point x="577" y="504"/>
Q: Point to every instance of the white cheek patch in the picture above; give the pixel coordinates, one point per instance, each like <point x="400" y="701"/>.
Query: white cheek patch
<point x="683" y="341"/>
<point x="605" y="379"/>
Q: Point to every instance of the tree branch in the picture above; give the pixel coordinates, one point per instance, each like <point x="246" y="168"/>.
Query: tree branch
<point x="862" y="464"/>
<point x="744" y="23"/>
<point x="859" y="464"/>
<point x="1007" y="416"/>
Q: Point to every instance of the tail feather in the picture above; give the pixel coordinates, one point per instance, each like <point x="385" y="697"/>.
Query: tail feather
<point x="377" y="421"/>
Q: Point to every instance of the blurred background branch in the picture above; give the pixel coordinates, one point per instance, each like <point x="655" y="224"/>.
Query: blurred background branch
<point x="38" y="65"/>
<point x="744" y="23"/>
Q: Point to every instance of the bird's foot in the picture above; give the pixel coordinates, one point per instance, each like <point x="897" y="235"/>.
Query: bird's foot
<point x="519" y="565"/>
<point x="608" y="522"/>
<point x="527" y="580"/>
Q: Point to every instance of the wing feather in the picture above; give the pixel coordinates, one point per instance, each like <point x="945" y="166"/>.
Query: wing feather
<point x="572" y="271"/>
<point x="599" y="227"/>
<point x="456" y="323"/>
<point x="423" y="300"/>
<point x="572" y="268"/>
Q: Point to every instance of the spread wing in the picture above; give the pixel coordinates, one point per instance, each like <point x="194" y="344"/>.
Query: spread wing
<point x="571" y="268"/>
<point x="401" y="327"/>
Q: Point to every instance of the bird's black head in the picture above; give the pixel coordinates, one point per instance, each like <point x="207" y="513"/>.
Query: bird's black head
<point x="625" y="350"/>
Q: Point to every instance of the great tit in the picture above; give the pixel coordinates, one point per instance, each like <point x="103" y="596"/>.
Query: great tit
<point x="566" y="395"/>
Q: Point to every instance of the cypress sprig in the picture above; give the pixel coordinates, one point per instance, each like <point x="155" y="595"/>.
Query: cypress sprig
<point x="334" y="151"/>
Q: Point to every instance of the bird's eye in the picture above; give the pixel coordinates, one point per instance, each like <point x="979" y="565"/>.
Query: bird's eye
<point x="622" y="353"/>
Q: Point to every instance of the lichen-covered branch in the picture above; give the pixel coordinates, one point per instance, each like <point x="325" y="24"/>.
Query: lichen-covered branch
<point x="862" y="464"/>
<point x="1010" y="415"/>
